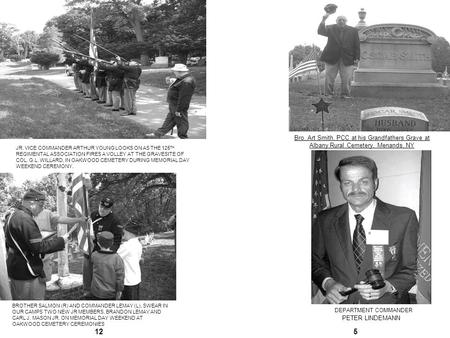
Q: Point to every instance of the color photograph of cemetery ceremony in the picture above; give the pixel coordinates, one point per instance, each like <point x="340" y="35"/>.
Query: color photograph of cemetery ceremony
<point x="103" y="69"/>
<point x="98" y="236"/>
<point x="370" y="66"/>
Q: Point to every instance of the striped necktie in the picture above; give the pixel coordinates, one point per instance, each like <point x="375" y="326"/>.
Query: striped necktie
<point x="359" y="241"/>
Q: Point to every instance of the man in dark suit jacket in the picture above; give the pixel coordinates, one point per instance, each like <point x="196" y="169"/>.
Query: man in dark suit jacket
<point x="341" y="53"/>
<point x="389" y="236"/>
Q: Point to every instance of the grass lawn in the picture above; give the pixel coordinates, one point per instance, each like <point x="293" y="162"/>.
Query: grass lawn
<point x="345" y="113"/>
<point x="157" y="78"/>
<point x="158" y="272"/>
<point x="29" y="108"/>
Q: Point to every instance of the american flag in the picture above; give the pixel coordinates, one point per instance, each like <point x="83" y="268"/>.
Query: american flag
<point x="424" y="277"/>
<point x="320" y="198"/>
<point x="93" y="45"/>
<point x="80" y="202"/>
<point x="307" y="64"/>
<point x="320" y="201"/>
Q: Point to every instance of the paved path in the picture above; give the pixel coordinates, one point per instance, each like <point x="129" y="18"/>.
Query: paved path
<point x="151" y="101"/>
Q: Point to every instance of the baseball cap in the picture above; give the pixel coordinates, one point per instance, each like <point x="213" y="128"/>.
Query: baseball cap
<point x="105" y="239"/>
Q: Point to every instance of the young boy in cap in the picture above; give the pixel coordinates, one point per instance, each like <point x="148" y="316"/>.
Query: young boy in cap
<point x="108" y="270"/>
<point x="131" y="252"/>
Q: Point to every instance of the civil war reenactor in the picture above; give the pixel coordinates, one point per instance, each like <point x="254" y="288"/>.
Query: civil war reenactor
<point x="26" y="247"/>
<point x="100" y="84"/>
<point x="76" y="75"/>
<point x="92" y="82"/>
<point x="109" y="75"/>
<point x="102" y="220"/>
<point x="179" y="97"/>
<point x="115" y="83"/>
<point x="131" y="73"/>
<point x="86" y="77"/>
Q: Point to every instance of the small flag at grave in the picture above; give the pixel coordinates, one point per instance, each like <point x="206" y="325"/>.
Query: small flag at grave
<point x="308" y="64"/>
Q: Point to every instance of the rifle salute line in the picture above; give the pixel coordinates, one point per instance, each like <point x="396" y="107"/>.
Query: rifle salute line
<point x="114" y="83"/>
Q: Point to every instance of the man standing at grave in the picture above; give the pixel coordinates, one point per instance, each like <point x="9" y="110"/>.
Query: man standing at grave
<point x="361" y="235"/>
<point x="179" y="97"/>
<point x="26" y="247"/>
<point x="102" y="220"/>
<point x="341" y="53"/>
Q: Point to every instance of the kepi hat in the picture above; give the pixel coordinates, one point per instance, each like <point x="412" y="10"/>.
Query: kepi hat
<point x="106" y="202"/>
<point x="33" y="195"/>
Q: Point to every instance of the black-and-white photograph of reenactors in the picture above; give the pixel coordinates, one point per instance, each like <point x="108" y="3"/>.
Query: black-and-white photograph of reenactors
<point x="105" y="69"/>
<point x="88" y="237"/>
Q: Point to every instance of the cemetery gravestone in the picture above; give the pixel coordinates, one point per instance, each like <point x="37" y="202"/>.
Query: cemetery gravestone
<point x="396" y="62"/>
<point x="393" y="119"/>
<point x="161" y="62"/>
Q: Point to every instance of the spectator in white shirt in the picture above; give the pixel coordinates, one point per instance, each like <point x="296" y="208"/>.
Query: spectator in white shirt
<point x="131" y="252"/>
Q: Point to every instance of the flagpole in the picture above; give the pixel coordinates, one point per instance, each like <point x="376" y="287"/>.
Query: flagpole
<point x="318" y="81"/>
<point x="317" y="72"/>
<point x="89" y="223"/>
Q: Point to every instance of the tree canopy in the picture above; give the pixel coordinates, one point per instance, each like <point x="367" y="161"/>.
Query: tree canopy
<point x="143" y="198"/>
<point x="135" y="28"/>
<point x="130" y="28"/>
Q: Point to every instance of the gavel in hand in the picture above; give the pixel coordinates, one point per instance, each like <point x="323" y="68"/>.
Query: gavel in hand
<point x="374" y="278"/>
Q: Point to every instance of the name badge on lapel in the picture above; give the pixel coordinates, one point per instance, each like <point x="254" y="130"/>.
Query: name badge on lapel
<point x="377" y="237"/>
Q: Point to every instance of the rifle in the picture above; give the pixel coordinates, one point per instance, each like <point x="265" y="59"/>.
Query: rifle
<point x="100" y="47"/>
<point x="71" y="50"/>
<point x="86" y="56"/>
